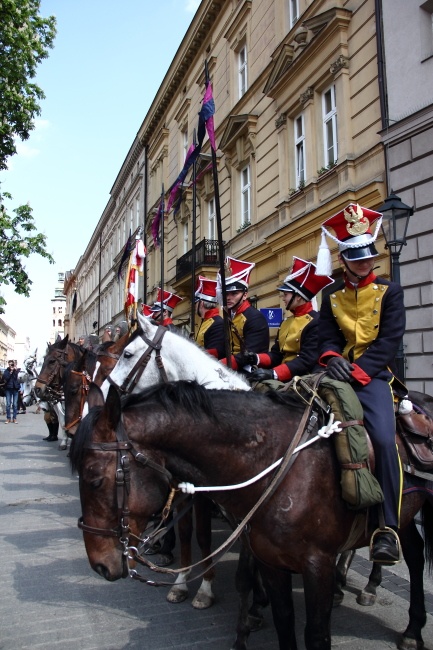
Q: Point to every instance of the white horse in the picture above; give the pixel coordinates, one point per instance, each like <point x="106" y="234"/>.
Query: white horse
<point x="181" y="359"/>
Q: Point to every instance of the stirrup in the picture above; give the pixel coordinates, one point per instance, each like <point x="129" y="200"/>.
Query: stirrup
<point x="386" y="529"/>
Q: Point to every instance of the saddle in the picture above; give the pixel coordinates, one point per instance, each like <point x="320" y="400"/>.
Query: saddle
<point x="416" y="432"/>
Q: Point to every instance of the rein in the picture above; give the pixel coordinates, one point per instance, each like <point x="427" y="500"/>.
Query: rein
<point x="85" y="383"/>
<point x="133" y="377"/>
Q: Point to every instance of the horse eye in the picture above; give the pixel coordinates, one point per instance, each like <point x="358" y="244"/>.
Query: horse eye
<point x="127" y="354"/>
<point x="96" y="483"/>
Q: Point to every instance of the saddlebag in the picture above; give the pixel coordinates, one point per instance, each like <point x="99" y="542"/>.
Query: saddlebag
<point x="360" y="489"/>
<point x="416" y="432"/>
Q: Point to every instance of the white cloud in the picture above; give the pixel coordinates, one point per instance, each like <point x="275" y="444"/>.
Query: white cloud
<point x="27" y="149"/>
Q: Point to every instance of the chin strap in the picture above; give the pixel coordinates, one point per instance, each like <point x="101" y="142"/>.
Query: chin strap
<point x="359" y="277"/>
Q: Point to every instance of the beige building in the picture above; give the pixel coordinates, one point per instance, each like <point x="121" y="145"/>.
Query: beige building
<point x="7" y="343"/>
<point x="298" y="127"/>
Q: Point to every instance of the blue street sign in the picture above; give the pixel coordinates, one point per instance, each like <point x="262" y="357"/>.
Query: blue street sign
<point x="274" y="316"/>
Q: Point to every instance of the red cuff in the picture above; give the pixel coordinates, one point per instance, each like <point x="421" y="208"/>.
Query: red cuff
<point x="213" y="352"/>
<point x="283" y="372"/>
<point x="360" y="375"/>
<point x="264" y="360"/>
<point x="323" y="359"/>
<point x="234" y="364"/>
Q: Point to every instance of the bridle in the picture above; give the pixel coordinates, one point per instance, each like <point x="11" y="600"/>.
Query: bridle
<point x="133" y="377"/>
<point x="53" y="388"/>
<point x="85" y="384"/>
<point x="123" y="447"/>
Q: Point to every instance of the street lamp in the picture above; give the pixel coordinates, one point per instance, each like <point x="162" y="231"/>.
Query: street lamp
<point x="394" y="226"/>
<point x="395" y="221"/>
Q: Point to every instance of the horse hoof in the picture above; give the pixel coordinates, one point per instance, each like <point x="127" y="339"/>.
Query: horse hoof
<point x="202" y="601"/>
<point x="406" y="643"/>
<point x="338" y="599"/>
<point x="176" y="595"/>
<point x="365" y="599"/>
<point x="255" y="623"/>
<point x="63" y="446"/>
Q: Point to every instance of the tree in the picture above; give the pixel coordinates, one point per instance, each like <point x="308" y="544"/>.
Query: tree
<point x="18" y="240"/>
<point x="25" y="38"/>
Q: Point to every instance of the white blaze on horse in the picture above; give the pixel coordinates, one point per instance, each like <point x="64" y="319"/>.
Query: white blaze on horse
<point x="155" y="354"/>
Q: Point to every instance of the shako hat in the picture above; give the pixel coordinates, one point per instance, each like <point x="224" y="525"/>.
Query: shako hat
<point x="206" y="289"/>
<point x="169" y="301"/>
<point x="146" y="310"/>
<point x="353" y="228"/>
<point x="303" y="279"/>
<point x="237" y="274"/>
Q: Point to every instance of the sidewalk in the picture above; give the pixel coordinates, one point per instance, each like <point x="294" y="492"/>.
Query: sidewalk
<point x="51" y="599"/>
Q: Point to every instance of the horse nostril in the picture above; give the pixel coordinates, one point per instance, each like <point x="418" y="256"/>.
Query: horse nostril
<point x="103" y="571"/>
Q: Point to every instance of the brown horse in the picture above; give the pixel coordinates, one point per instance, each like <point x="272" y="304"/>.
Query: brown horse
<point x="216" y="438"/>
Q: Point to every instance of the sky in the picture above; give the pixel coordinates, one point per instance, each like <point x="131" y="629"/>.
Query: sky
<point x="105" y="68"/>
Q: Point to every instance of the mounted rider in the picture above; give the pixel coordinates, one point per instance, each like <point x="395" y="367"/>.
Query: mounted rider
<point x="295" y="349"/>
<point x="167" y="301"/>
<point x="361" y="325"/>
<point x="248" y="326"/>
<point x="210" y="335"/>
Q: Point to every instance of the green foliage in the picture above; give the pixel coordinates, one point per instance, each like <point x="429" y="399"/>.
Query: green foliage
<point x="18" y="240"/>
<point x="25" y="38"/>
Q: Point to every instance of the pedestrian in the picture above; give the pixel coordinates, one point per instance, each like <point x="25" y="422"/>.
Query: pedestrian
<point x="249" y="329"/>
<point x="295" y="350"/>
<point x="210" y="335"/>
<point x="361" y="326"/>
<point x="52" y="422"/>
<point x="12" y="387"/>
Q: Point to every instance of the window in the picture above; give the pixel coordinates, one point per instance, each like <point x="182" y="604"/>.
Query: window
<point x="294" y="11"/>
<point x="300" y="151"/>
<point x="329" y="111"/>
<point x="243" y="78"/>
<point x="185" y="237"/>
<point x="60" y="310"/>
<point x="245" y="196"/>
<point x="184" y="144"/>
<point x="426" y="29"/>
<point x="211" y="218"/>
<point x="59" y="322"/>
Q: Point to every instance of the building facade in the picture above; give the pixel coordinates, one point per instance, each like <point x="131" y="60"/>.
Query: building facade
<point x="299" y="130"/>
<point x="58" y="307"/>
<point x="407" y="135"/>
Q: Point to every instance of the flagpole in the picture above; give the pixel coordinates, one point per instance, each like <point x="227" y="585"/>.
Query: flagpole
<point x="161" y="246"/>
<point x="193" y="239"/>
<point x="227" y="346"/>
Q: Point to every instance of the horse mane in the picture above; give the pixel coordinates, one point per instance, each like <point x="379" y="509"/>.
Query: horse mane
<point x="188" y="394"/>
<point x="82" y="436"/>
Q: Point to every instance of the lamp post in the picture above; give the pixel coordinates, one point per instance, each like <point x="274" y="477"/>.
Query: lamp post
<point x="395" y="221"/>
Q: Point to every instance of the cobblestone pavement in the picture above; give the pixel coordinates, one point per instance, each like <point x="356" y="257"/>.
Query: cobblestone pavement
<point x="50" y="598"/>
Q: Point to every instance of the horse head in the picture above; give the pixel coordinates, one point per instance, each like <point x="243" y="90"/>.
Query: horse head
<point x="50" y="378"/>
<point x="154" y="354"/>
<point x="112" y="511"/>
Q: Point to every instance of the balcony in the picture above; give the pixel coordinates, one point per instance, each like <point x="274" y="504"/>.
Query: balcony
<point x="206" y="254"/>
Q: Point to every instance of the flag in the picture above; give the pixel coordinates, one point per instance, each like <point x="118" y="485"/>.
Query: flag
<point x="205" y="118"/>
<point x="136" y="266"/>
<point x="190" y="158"/>
<point x="126" y="253"/>
<point x="156" y="223"/>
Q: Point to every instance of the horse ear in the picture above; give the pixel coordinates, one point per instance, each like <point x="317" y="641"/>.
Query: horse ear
<point x="64" y="342"/>
<point x="113" y="407"/>
<point x="95" y="396"/>
<point x="145" y="323"/>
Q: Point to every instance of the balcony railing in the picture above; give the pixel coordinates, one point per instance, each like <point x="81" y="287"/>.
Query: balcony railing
<point x="206" y="254"/>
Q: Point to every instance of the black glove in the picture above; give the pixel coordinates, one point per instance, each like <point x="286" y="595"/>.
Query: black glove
<point x="261" y="374"/>
<point x="339" y="368"/>
<point x="246" y="359"/>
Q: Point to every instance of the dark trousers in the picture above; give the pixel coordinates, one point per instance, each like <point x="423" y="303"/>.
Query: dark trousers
<point x="379" y="419"/>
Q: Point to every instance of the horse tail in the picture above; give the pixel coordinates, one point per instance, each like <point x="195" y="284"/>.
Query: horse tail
<point x="427" y="522"/>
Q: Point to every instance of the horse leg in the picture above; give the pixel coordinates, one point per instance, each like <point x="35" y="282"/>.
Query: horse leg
<point x="278" y="583"/>
<point x="319" y="587"/>
<point x="248" y="579"/>
<point x="341" y="569"/>
<point x="204" y="597"/>
<point x="367" y="597"/>
<point x="179" y="591"/>
<point x="413" y="551"/>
